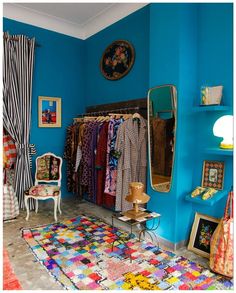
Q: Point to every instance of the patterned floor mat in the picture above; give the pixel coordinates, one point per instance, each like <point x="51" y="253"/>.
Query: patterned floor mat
<point x="78" y="254"/>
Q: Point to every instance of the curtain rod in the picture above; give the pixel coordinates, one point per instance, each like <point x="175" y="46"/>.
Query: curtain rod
<point x="112" y="110"/>
<point x="17" y="39"/>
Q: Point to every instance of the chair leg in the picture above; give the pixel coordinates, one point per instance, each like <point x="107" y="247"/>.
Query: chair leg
<point x="36" y="206"/>
<point x="59" y="203"/>
<point x="27" y="208"/>
<point x="55" y="207"/>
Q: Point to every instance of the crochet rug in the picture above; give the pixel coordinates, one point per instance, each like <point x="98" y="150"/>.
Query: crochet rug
<point x="78" y="254"/>
<point x="10" y="281"/>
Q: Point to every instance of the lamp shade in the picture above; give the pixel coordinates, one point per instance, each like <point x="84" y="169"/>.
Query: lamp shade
<point x="223" y="127"/>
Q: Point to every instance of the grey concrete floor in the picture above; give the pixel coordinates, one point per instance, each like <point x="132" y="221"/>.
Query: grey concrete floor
<point x="31" y="274"/>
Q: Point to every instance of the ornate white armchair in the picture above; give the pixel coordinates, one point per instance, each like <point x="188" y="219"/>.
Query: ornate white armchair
<point x="48" y="170"/>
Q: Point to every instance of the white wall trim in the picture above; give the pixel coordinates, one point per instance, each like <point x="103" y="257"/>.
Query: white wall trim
<point x="109" y="16"/>
<point x="25" y="15"/>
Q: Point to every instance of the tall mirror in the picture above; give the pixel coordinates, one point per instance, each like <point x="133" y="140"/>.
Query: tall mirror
<point x="161" y="135"/>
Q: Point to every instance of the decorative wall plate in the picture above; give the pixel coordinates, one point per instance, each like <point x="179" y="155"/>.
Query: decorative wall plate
<point x="117" y="60"/>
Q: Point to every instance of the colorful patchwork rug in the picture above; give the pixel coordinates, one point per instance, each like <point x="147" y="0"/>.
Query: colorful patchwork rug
<point x="78" y="254"/>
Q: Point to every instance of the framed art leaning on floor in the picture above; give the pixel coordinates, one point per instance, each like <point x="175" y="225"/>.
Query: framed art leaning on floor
<point x="202" y="230"/>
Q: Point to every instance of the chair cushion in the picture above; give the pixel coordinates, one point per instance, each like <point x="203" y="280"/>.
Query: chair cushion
<point x="43" y="190"/>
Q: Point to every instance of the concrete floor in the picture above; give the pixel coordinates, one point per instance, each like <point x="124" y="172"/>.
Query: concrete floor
<point x="31" y="274"/>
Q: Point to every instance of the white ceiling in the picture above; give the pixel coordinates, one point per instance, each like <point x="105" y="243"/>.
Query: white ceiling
<point x="80" y="20"/>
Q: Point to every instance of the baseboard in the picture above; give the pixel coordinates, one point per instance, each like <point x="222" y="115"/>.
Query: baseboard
<point x="170" y="245"/>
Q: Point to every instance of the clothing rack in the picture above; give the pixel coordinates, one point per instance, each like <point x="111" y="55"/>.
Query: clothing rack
<point x="104" y="112"/>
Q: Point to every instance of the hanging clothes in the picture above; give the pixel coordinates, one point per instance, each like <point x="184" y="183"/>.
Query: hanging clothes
<point x="9" y="200"/>
<point x="88" y="179"/>
<point x="9" y="151"/>
<point x="131" y="144"/>
<point x="112" y="162"/>
<point x="70" y="155"/>
<point x="100" y="162"/>
<point x="10" y="206"/>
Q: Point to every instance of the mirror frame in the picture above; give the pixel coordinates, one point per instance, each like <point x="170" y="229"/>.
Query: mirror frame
<point x="174" y="101"/>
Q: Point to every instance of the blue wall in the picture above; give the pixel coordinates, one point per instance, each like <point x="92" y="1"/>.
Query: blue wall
<point x="58" y="72"/>
<point x="135" y="29"/>
<point x="190" y="46"/>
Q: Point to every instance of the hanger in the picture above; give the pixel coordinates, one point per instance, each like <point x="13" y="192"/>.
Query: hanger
<point x="78" y="120"/>
<point x="136" y="116"/>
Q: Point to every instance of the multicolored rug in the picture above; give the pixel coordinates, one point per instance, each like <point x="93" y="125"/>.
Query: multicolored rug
<point x="78" y="254"/>
<point x="10" y="281"/>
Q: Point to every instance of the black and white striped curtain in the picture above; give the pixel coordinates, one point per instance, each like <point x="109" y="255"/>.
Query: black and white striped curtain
<point x="18" y="61"/>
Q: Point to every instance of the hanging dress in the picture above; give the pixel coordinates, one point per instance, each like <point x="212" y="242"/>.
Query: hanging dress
<point x="131" y="144"/>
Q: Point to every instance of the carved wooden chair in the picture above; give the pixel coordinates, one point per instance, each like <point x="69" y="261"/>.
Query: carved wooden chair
<point x="48" y="171"/>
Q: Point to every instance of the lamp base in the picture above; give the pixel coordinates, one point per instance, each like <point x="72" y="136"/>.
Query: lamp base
<point x="226" y="146"/>
<point x="133" y="214"/>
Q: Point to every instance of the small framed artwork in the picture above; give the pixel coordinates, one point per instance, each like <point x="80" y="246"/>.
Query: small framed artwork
<point x="213" y="174"/>
<point x="202" y="231"/>
<point x="49" y="112"/>
<point x="117" y="60"/>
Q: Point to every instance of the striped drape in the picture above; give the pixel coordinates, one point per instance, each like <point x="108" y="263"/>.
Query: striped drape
<point x="18" y="60"/>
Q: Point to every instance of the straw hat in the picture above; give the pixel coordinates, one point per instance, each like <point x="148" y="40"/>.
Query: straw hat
<point x="136" y="193"/>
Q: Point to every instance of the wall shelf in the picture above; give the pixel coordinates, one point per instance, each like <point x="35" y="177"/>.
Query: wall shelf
<point x="211" y="108"/>
<point x="209" y="202"/>
<point x="218" y="151"/>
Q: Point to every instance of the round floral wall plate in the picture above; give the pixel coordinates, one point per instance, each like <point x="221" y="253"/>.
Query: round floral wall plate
<point x="117" y="60"/>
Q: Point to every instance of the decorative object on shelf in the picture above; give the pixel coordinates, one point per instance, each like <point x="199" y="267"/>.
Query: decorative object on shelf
<point x="197" y="191"/>
<point x="49" y="111"/>
<point x="213" y="174"/>
<point x="223" y="127"/>
<point x="117" y="60"/>
<point x="211" y="95"/>
<point x="205" y="193"/>
<point x="222" y="247"/>
<point x="202" y="231"/>
<point x="136" y="196"/>
<point x="208" y="193"/>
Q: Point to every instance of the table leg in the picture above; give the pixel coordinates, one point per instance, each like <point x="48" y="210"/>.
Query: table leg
<point x="27" y="208"/>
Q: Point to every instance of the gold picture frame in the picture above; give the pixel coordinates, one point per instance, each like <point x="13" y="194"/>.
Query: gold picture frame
<point x="201" y="233"/>
<point x="213" y="174"/>
<point x="49" y="111"/>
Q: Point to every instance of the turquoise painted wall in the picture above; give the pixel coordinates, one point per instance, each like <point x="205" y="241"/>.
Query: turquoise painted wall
<point x="187" y="45"/>
<point x="215" y="59"/>
<point x="99" y="90"/>
<point x="58" y="72"/>
<point x="190" y="46"/>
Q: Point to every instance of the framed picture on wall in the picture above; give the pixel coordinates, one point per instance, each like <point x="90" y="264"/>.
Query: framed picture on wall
<point x="49" y="112"/>
<point x="213" y="174"/>
<point x="202" y="230"/>
<point x="117" y="60"/>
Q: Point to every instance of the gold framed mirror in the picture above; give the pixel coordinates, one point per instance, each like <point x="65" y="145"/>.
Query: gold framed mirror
<point x="161" y="135"/>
